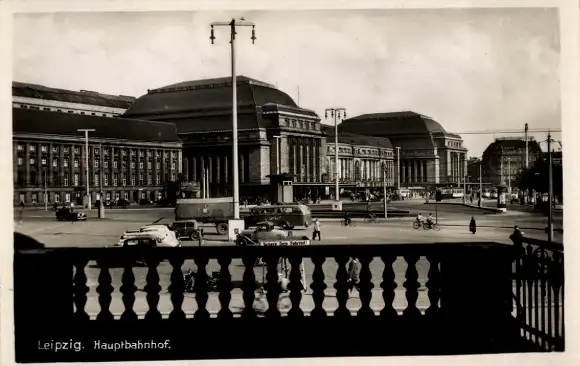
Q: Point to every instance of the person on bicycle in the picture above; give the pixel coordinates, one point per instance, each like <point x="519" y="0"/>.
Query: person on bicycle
<point x="430" y="220"/>
<point x="371" y="214"/>
<point x="347" y="219"/>
<point x="420" y="218"/>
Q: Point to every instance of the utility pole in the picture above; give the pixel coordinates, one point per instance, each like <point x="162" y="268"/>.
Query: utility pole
<point x="385" y="190"/>
<point x="550" y="190"/>
<point x="464" y="188"/>
<point x="86" y="131"/>
<point x="236" y="179"/>
<point x="509" y="175"/>
<point x="501" y="168"/>
<point x="45" y="192"/>
<point x="480" y="184"/>
<point x="526" y="137"/>
<point x="336" y="114"/>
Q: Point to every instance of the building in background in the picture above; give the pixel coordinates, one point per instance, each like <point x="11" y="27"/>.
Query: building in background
<point x="429" y="155"/>
<point x="128" y="159"/>
<point x="504" y="158"/>
<point x="275" y="135"/>
<point x="42" y="98"/>
<point x="473" y="164"/>
<point x="362" y="160"/>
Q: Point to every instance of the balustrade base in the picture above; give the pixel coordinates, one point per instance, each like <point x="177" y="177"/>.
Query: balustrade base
<point x="194" y="339"/>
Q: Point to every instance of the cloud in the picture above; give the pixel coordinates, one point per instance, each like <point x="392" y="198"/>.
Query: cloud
<point x="468" y="69"/>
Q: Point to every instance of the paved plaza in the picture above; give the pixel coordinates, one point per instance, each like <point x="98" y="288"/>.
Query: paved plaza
<point x="101" y="233"/>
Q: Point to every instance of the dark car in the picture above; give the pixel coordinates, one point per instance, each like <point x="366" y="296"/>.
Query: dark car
<point x="187" y="229"/>
<point x="67" y="214"/>
<point x="122" y="203"/>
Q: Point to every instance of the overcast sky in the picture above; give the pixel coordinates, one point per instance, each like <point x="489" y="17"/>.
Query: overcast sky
<point x="470" y="70"/>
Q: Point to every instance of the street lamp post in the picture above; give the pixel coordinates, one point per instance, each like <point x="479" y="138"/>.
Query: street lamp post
<point x="232" y="25"/>
<point x="335" y="113"/>
<point x="86" y="131"/>
<point x="398" y="168"/>
<point x="550" y="191"/>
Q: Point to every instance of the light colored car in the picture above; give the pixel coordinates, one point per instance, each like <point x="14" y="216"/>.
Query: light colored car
<point x="163" y="236"/>
<point x="264" y="232"/>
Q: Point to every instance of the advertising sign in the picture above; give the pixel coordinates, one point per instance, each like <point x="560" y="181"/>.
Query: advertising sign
<point x="280" y="243"/>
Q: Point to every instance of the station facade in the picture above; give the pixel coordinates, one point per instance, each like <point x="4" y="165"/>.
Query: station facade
<point x="429" y="155"/>
<point x="182" y="132"/>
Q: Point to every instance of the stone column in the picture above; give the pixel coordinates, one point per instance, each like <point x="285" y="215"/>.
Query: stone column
<point x="193" y="159"/>
<point x="242" y="167"/>
<point x="217" y="169"/>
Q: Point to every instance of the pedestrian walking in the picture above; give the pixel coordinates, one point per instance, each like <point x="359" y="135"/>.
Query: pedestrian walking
<point x="472" y="225"/>
<point x="353" y="272"/>
<point x="316" y="230"/>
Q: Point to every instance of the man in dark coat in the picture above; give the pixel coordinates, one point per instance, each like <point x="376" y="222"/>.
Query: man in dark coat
<point x="353" y="273"/>
<point x="472" y="225"/>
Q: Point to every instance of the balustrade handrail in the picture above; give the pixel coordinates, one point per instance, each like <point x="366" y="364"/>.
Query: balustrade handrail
<point x="367" y="250"/>
<point x="542" y="243"/>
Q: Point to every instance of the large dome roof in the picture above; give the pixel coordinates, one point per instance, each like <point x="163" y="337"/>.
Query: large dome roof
<point x="393" y="124"/>
<point x="208" y="94"/>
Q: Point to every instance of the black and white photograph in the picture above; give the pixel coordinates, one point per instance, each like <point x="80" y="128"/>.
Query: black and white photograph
<point x="260" y="183"/>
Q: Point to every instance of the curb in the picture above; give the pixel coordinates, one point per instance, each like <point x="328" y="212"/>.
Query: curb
<point x="490" y="209"/>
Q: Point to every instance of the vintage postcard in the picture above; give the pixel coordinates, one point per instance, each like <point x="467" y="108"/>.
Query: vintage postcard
<point x="267" y="183"/>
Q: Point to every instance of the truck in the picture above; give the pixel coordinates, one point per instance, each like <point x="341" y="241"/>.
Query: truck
<point x="216" y="211"/>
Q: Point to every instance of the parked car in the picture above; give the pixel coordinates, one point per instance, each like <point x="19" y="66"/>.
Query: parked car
<point x="264" y="232"/>
<point x="162" y="234"/>
<point x="187" y="229"/>
<point x="68" y="214"/>
<point x="122" y="203"/>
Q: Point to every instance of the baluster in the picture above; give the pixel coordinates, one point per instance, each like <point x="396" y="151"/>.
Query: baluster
<point x="249" y="287"/>
<point x="557" y="285"/>
<point x="519" y="274"/>
<point x="412" y="286"/>
<point x="177" y="289"/>
<point x="152" y="289"/>
<point x="542" y="256"/>
<point x="318" y="286"/>
<point x="365" y="288"/>
<point x="296" y="287"/>
<point x="201" y="288"/>
<point x="80" y="290"/>
<point x="272" y="287"/>
<point x="389" y="285"/>
<point x="342" y="287"/>
<point x="105" y="289"/>
<point x="531" y="275"/>
<point x="434" y="287"/>
<point x="128" y="289"/>
<point x="225" y="288"/>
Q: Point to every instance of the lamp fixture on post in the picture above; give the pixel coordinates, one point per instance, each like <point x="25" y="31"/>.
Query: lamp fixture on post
<point x="232" y="25"/>
<point x="336" y="114"/>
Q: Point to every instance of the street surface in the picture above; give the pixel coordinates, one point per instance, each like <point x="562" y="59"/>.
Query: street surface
<point x="453" y="220"/>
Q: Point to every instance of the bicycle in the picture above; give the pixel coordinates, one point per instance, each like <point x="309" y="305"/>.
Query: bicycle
<point x="434" y="226"/>
<point x="349" y="223"/>
<point x="372" y="218"/>
<point x="417" y="224"/>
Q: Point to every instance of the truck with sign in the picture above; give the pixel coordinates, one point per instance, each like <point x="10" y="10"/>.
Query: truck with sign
<point x="215" y="211"/>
